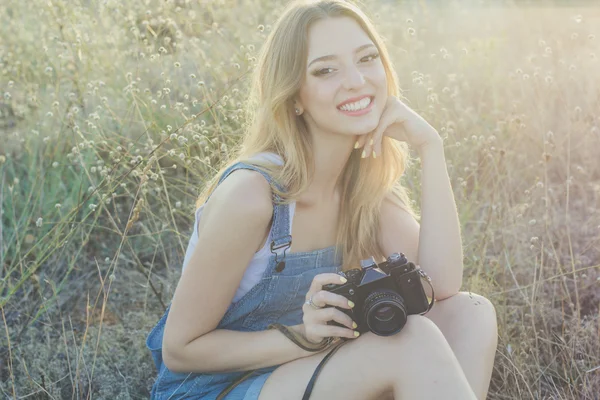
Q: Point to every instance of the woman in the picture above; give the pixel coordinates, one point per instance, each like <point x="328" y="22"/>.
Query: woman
<point x="320" y="164"/>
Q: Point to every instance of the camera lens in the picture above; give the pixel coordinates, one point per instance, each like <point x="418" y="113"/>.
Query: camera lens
<point x="384" y="312"/>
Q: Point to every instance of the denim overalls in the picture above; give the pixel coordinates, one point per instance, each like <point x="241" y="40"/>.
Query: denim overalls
<point x="278" y="297"/>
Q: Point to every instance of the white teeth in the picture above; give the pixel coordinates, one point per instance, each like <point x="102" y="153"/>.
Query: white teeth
<point x="359" y="105"/>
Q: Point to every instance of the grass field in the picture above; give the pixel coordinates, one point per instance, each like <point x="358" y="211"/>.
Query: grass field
<point x="114" y="114"/>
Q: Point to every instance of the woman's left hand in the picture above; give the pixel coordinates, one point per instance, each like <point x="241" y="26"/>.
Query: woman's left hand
<point x="399" y="122"/>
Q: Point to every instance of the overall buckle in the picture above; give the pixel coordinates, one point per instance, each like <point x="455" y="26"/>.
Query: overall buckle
<point x="280" y="264"/>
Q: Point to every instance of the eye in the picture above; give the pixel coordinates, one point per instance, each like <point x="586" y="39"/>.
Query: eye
<point x="320" y="72"/>
<point x="373" y="56"/>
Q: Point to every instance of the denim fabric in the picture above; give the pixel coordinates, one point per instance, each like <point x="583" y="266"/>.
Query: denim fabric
<point x="278" y="297"/>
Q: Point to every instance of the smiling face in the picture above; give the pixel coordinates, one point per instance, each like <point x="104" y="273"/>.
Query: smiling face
<point x="343" y="63"/>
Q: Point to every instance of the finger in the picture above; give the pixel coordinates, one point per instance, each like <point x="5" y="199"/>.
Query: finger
<point x="323" y="331"/>
<point x="360" y="141"/>
<point x="327" y="314"/>
<point x="375" y="142"/>
<point x="367" y="139"/>
<point x="321" y="280"/>
<point x="377" y="139"/>
<point x="324" y="298"/>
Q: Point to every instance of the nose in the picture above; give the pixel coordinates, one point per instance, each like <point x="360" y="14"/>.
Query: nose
<point x="354" y="78"/>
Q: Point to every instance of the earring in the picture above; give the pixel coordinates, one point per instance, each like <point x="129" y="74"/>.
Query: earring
<point x="297" y="112"/>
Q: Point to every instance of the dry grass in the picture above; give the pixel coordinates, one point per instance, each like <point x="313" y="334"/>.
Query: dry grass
<point x="112" y="115"/>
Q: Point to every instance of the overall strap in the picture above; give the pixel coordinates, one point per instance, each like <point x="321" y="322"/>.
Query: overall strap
<point x="281" y="235"/>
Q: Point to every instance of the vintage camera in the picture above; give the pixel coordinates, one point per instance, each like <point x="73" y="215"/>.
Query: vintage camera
<point x="384" y="295"/>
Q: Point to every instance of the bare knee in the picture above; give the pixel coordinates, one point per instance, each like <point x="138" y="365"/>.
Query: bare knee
<point x="487" y="312"/>
<point x="418" y="338"/>
<point x="481" y="313"/>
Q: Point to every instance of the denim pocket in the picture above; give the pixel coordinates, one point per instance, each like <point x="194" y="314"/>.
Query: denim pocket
<point x="284" y="295"/>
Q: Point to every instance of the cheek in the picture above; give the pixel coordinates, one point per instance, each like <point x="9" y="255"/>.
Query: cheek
<point x="325" y="92"/>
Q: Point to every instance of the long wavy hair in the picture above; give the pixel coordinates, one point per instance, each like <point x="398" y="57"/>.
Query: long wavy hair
<point x="274" y="127"/>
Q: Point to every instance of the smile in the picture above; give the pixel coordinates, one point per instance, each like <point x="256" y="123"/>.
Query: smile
<point x="359" y="108"/>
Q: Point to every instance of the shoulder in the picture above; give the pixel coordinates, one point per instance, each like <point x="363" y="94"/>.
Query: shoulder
<point x="243" y="191"/>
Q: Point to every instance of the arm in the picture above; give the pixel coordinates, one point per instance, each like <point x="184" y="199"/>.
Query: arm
<point x="436" y="245"/>
<point x="234" y="222"/>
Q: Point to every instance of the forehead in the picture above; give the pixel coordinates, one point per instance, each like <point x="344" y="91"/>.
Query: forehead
<point x="337" y="35"/>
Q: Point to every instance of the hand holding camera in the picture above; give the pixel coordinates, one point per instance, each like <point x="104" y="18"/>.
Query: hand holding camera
<point x="384" y="295"/>
<point x="323" y="306"/>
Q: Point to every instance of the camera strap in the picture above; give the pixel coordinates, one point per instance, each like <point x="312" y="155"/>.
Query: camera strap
<point x="311" y="383"/>
<point x="427" y="279"/>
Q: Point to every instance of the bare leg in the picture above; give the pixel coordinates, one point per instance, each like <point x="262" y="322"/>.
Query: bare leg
<point x="468" y="322"/>
<point x="416" y="363"/>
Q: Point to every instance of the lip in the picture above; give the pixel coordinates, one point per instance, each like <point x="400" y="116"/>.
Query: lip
<point x="358" y="113"/>
<point x="354" y="99"/>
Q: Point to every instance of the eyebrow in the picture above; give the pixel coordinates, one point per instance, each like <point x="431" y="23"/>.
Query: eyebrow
<point x="331" y="57"/>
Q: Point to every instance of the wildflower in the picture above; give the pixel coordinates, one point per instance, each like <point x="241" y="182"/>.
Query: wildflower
<point x="178" y="204"/>
<point x="92" y="206"/>
<point x="532" y="222"/>
<point x="39" y="222"/>
<point x="57" y="205"/>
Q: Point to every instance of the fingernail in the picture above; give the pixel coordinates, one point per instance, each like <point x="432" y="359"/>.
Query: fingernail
<point x="344" y="280"/>
<point x="356" y="333"/>
<point x="364" y="154"/>
<point x="351" y="304"/>
<point x="354" y="325"/>
<point x="356" y="145"/>
<point x="371" y="142"/>
<point x="374" y="155"/>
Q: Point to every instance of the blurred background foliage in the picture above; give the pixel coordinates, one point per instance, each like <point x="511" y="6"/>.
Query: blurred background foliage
<point x="114" y="114"/>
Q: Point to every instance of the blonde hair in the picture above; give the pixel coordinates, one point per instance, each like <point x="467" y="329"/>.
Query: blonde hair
<point x="274" y="127"/>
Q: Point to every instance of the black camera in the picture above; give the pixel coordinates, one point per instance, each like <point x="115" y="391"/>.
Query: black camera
<point x="384" y="295"/>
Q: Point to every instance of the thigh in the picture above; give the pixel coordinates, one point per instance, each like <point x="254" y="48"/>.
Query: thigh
<point x="462" y="311"/>
<point x="371" y="366"/>
<point x="343" y="377"/>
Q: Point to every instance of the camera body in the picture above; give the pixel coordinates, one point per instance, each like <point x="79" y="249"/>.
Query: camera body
<point x="384" y="294"/>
